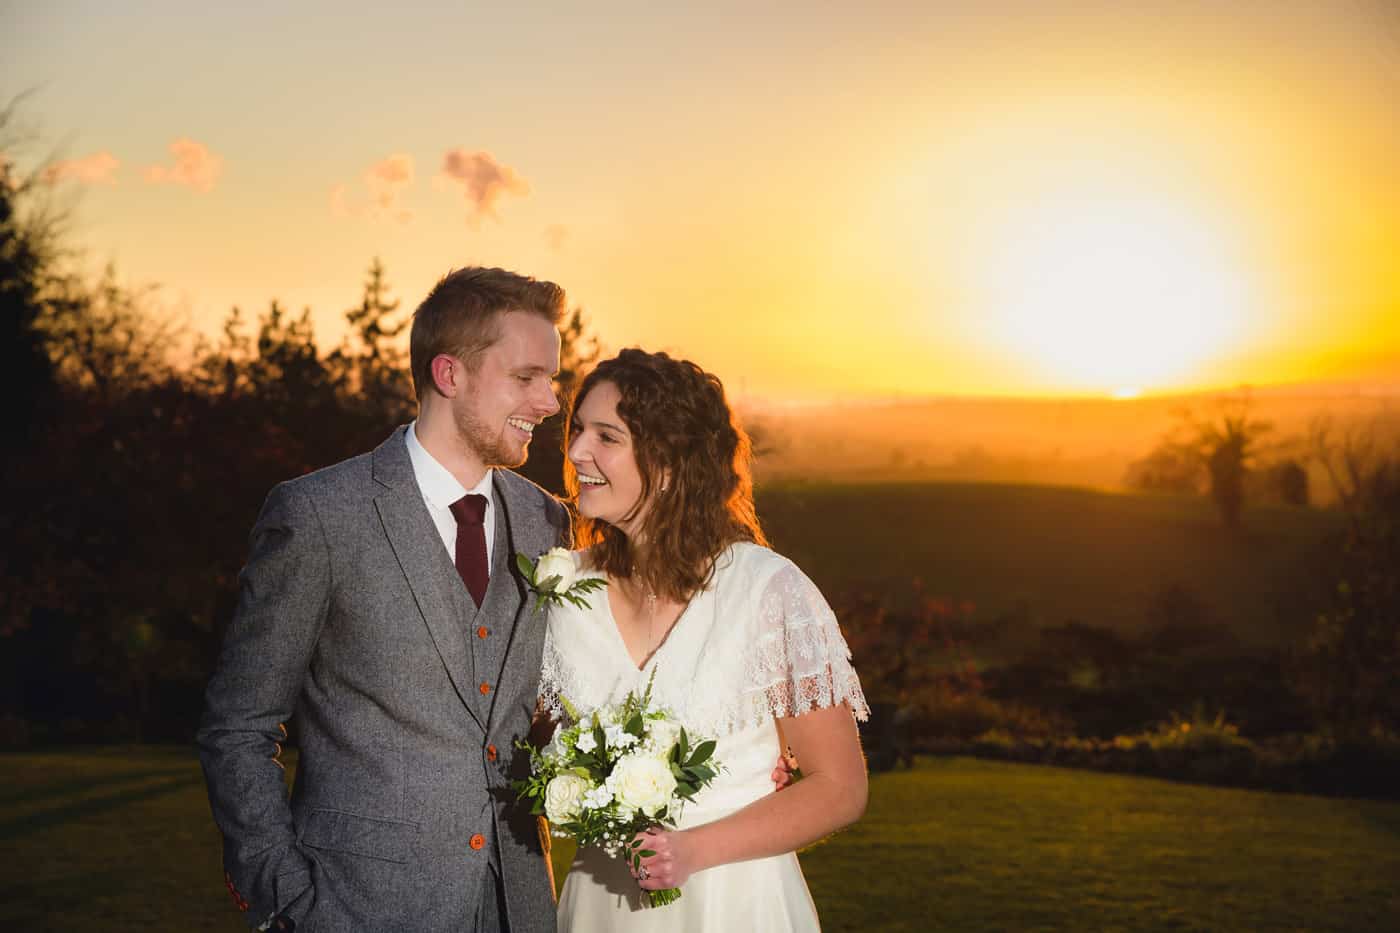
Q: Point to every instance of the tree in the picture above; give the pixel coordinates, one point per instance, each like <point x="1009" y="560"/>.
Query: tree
<point x="1349" y="666"/>
<point x="105" y="337"/>
<point x="372" y="365"/>
<point x="27" y="235"/>
<point x="1220" y="450"/>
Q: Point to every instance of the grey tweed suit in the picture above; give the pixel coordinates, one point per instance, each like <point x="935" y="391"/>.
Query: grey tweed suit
<point x="408" y="701"/>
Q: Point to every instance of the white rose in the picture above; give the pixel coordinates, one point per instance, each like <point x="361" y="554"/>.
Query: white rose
<point x="641" y="782"/>
<point x="556" y="562"/>
<point x="662" y="735"/>
<point x="563" y="797"/>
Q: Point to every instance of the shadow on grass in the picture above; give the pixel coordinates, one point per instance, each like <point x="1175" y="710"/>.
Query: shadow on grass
<point x="33" y="906"/>
<point x="76" y="786"/>
<point x="47" y="819"/>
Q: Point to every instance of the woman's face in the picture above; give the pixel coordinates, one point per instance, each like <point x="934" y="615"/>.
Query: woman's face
<point x="601" y="450"/>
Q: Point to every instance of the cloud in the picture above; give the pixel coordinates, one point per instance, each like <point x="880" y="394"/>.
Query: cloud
<point x="556" y="235"/>
<point x="96" y="169"/>
<point x="386" y="181"/>
<point x="483" y="179"/>
<point x="195" y="166"/>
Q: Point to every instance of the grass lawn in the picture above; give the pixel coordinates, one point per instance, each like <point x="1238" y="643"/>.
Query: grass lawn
<point x="121" y="839"/>
<point x="1063" y="553"/>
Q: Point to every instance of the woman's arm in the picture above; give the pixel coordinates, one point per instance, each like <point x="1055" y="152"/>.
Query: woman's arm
<point x="831" y="794"/>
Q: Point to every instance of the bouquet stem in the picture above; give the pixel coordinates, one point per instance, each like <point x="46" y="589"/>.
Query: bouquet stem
<point x="661" y="898"/>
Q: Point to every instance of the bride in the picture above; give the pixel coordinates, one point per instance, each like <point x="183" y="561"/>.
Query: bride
<point x="740" y="644"/>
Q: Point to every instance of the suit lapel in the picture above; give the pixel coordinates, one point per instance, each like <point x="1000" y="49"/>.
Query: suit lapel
<point x="520" y="529"/>
<point x="421" y="556"/>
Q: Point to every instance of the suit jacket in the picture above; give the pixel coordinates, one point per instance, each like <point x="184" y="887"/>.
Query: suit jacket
<point x="408" y="700"/>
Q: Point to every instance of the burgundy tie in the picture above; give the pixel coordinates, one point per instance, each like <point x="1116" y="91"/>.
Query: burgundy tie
<point x="470" y="512"/>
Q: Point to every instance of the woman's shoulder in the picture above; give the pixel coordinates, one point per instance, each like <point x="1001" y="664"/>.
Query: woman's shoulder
<point x="754" y="564"/>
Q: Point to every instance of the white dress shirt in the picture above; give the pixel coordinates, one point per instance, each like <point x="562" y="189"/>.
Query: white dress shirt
<point x="440" y="489"/>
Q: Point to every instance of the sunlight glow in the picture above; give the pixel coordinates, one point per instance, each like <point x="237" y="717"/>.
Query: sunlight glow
<point x="1109" y="289"/>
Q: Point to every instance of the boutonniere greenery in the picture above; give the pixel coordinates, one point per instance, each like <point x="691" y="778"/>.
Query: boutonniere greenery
<point x="554" y="579"/>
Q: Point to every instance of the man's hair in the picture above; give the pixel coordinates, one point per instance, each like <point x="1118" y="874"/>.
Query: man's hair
<point x="684" y="430"/>
<point x="461" y="316"/>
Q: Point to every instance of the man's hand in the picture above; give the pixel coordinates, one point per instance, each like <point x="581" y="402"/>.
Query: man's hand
<point x="786" y="771"/>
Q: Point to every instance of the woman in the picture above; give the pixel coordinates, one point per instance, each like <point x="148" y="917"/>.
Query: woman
<point x="739" y="644"/>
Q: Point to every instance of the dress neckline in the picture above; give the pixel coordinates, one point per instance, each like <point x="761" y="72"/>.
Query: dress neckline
<point x="656" y="652"/>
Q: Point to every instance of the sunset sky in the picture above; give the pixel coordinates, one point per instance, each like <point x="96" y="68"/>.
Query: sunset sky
<point x="812" y="200"/>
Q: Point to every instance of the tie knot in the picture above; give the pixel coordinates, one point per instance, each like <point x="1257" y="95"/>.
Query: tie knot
<point x="469" y="510"/>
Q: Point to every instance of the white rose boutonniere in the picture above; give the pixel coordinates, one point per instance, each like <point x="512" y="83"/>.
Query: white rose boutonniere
<point x="554" y="578"/>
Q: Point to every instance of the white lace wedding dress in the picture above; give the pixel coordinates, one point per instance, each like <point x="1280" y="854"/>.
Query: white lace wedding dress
<point x="759" y="643"/>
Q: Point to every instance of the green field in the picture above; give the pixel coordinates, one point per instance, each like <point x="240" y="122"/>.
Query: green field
<point x="120" y="839"/>
<point x="1062" y="553"/>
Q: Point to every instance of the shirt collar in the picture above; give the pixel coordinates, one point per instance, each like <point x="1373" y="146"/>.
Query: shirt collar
<point x="440" y="488"/>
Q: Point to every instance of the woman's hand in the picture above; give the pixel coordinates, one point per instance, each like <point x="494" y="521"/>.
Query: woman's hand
<point x="675" y="859"/>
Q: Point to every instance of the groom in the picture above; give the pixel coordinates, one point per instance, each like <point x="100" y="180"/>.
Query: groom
<point x="380" y="606"/>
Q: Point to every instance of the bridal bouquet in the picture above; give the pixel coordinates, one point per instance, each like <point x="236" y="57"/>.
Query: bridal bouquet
<point x="616" y="771"/>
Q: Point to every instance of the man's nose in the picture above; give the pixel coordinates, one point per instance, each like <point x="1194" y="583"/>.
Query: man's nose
<point x="549" y="401"/>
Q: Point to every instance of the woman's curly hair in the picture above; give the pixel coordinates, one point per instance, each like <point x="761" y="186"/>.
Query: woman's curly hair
<point x="683" y="430"/>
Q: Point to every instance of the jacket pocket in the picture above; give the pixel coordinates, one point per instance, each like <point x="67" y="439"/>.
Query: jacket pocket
<point x="338" y="831"/>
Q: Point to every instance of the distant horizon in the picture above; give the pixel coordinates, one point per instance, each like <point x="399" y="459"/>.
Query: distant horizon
<point x="1315" y="389"/>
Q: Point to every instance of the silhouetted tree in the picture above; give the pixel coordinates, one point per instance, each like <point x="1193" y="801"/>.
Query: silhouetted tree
<point x="26" y="257"/>
<point x="1223" y="449"/>
<point x="1349" y="667"/>
<point x="371" y="365"/>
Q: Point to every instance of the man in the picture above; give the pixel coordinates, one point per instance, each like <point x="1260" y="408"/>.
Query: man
<point x="381" y="605"/>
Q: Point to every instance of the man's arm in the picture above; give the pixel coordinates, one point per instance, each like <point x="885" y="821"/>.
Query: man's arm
<point x="284" y="594"/>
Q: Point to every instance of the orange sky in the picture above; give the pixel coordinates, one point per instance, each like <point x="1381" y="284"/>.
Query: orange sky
<point x="990" y="198"/>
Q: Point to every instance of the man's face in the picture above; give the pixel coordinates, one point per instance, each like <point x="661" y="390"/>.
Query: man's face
<point x="511" y="391"/>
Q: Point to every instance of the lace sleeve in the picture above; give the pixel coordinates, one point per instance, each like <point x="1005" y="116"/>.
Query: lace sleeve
<point x="553" y="674"/>
<point x="799" y="660"/>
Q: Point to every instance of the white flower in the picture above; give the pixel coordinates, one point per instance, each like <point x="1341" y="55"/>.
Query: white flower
<point x="642" y="782"/>
<point x="586" y="742"/>
<point x="556" y="562"/>
<point x="556" y="750"/>
<point x="563" y="798"/>
<point x="597" y="798"/>
<point x="662" y="735"/>
<point x="618" y="737"/>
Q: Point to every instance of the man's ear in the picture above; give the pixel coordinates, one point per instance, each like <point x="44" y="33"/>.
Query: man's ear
<point x="448" y="374"/>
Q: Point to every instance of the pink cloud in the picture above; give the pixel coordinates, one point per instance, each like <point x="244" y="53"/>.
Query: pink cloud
<point x="483" y="179"/>
<point x="195" y="166"/>
<point x="387" y="181"/>
<point x="96" y="169"/>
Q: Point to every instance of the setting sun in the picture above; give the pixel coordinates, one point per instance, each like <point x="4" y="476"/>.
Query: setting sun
<point x="1104" y="288"/>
